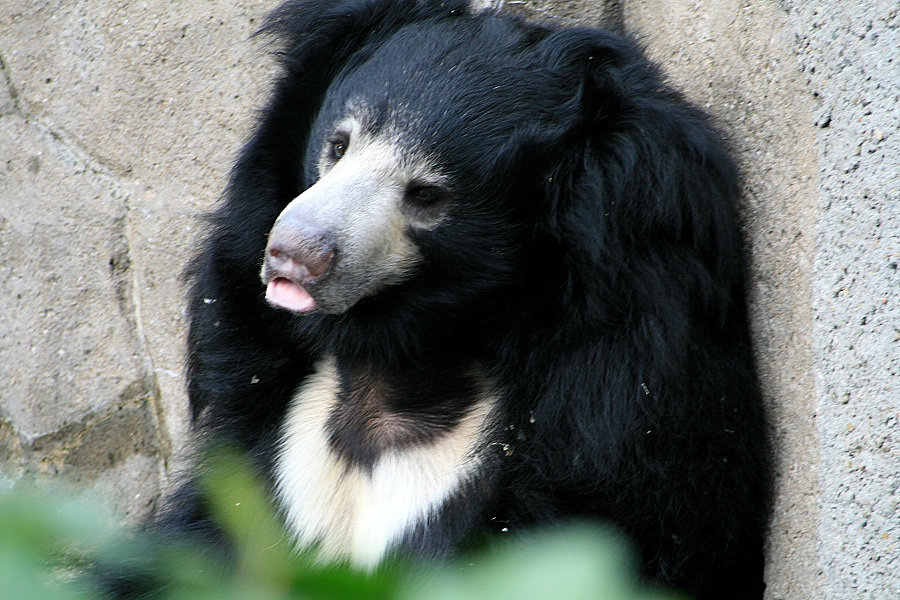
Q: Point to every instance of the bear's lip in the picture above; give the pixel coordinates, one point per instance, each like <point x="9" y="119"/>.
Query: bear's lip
<point x="284" y="293"/>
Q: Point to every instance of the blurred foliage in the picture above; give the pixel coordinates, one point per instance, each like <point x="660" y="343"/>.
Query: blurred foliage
<point x="48" y="540"/>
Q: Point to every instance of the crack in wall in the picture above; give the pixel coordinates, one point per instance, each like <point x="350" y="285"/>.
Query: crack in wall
<point x="11" y="89"/>
<point x="128" y="299"/>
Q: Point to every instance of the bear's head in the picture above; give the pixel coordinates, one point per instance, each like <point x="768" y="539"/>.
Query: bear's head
<point x="419" y="162"/>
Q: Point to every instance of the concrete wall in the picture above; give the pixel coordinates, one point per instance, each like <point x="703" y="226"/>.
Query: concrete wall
<point x="119" y="122"/>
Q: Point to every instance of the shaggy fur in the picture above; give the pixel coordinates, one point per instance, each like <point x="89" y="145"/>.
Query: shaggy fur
<point x="565" y="334"/>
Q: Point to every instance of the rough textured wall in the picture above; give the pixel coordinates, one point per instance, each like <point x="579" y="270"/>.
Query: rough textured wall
<point x="849" y="55"/>
<point x="118" y="124"/>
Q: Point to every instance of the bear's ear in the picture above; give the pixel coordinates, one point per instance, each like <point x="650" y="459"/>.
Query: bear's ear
<point x="592" y="64"/>
<point x="650" y="180"/>
<point x="317" y="37"/>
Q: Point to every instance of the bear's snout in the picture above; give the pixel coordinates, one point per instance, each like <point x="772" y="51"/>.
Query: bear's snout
<point x="304" y="259"/>
<point x="295" y="261"/>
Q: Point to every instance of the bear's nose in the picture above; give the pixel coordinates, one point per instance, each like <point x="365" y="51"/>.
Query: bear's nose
<point x="302" y="257"/>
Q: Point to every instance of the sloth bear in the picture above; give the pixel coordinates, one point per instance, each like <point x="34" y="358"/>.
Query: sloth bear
<point x="473" y="274"/>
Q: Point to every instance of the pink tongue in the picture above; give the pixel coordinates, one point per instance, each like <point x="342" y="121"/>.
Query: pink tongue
<point x="287" y="294"/>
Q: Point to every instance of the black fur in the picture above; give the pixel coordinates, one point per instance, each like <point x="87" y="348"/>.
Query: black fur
<point x="590" y="267"/>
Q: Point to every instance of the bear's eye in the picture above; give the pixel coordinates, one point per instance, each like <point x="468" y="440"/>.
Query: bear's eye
<point x="426" y="195"/>
<point x="337" y="146"/>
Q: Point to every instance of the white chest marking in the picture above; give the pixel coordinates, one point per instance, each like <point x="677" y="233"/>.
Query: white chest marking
<point x="358" y="515"/>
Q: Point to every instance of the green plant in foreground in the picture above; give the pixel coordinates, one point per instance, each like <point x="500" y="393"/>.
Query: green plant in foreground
<point x="45" y="539"/>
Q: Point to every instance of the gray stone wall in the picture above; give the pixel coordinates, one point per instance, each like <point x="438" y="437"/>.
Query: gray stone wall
<point x="118" y="125"/>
